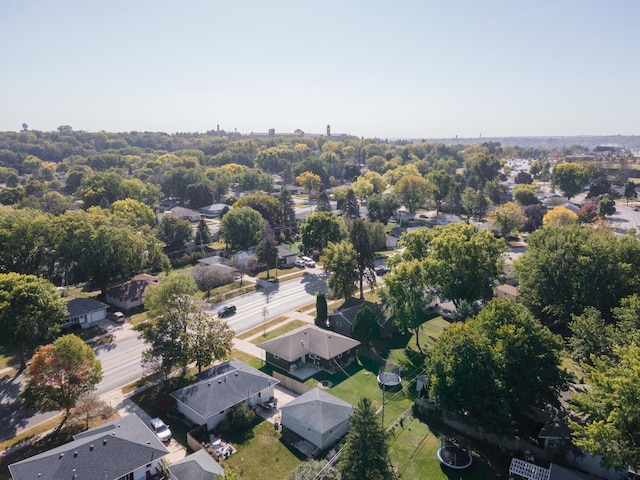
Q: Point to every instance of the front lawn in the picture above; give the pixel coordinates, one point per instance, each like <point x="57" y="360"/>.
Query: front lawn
<point x="287" y="327"/>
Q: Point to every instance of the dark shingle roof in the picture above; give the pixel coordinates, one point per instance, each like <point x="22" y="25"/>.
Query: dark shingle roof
<point x="309" y="339"/>
<point x="106" y="452"/>
<point x="318" y="410"/>
<point x="197" y="466"/>
<point x="82" y="306"/>
<point x="222" y="387"/>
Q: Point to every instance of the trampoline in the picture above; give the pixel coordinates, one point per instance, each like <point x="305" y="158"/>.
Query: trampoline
<point x="455" y="453"/>
<point x="389" y="380"/>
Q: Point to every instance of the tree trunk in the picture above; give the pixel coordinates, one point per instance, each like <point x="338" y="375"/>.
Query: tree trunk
<point x="418" y="340"/>
<point x="23" y="360"/>
<point x="361" y="289"/>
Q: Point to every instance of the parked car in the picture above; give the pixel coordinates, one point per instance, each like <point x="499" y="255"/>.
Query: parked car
<point x="118" y="317"/>
<point x="308" y="261"/>
<point x="382" y="270"/>
<point x="299" y="263"/>
<point x="227" y="310"/>
<point x="161" y="429"/>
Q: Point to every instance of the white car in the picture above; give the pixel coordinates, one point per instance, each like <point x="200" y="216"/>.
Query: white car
<point x="308" y="261"/>
<point x="160" y="429"/>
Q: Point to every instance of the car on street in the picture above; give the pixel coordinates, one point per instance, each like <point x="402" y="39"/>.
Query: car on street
<point x="308" y="261"/>
<point x="227" y="310"/>
<point x="161" y="429"/>
<point x="382" y="270"/>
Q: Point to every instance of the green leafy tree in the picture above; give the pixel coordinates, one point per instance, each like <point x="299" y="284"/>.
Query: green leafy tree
<point x="406" y="296"/>
<point x="102" y="189"/>
<point x="360" y="237"/>
<point x="479" y="168"/>
<point x="413" y="191"/>
<point x="503" y="350"/>
<point x="314" y="470"/>
<point x="381" y="207"/>
<point x="365" y="324"/>
<point x="507" y="218"/>
<point x="135" y="213"/>
<point x="207" y="338"/>
<point x="566" y="269"/>
<point x="525" y="194"/>
<point x="321" y="310"/>
<point x="441" y="182"/>
<point x="288" y="213"/>
<point x="266" y="205"/>
<point x="570" y="178"/>
<point x="320" y="229"/>
<point x="309" y="181"/>
<point x="30" y="311"/>
<point x="340" y="260"/>
<point x="242" y="228"/>
<point x="174" y="232"/>
<point x="630" y="191"/>
<point x="606" y="205"/>
<point x="610" y="410"/>
<point x="59" y="374"/>
<point x="493" y="190"/>
<point x="474" y="202"/>
<point x="592" y="336"/>
<point x="200" y="194"/>
<point x="462" y="263"/>
<point x="358" y="459"/>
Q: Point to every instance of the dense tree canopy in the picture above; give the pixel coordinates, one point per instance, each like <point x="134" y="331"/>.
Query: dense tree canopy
<point x="611" y="410"/>
<point x="30" y="311"/>
<point x="242" y="228"/>
<point x="567" y="269"/>
<point x="570" y="178"/>
<point x="495" y="367"/>
<point x="320" y="229"/>
<point x="340" y="261"/>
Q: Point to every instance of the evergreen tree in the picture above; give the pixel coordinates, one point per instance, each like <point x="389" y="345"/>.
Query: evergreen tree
<point x="323" y="202"/>
<point x="288" y="213"/>
<point x="351" y="207"/>
<point x="365" y="254"/>
<point x="321" y="310"/>
<point x="360" y="459"/>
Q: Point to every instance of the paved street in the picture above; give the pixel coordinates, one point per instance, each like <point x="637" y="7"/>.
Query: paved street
<point x="121" y="358"/>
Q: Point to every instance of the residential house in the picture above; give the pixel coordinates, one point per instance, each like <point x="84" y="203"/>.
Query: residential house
<point x="85" y="312"/>
<point x="341" y="321"/>
<point x="506" y="291"/>
<point x="122" y="449"/>
<point x="184" y="214"/>
<point x="214" y="210"/>
<point x="392" y="242"/>
<point x="197" y="466"/>
<point x="129" y="294"/>
<point x="286" y="256"/>
<point x="220" y="388"/>
<point x="317" y="416"/>
<point x="310" y="346"/>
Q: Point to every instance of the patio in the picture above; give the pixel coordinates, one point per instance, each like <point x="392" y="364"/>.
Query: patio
<point x="303" y="370"/>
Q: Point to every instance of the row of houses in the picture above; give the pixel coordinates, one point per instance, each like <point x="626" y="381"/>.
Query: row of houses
<point x="127" y="449"/>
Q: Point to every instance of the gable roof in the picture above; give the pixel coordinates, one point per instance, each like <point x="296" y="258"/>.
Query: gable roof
<point x="133" y="289"/>
<point x="350" y="307"/>
<point x="82" y="306"/>
<point x="197" y="466"/>
<point x="309" y="339"/>
<point x="318" y="410"/>
<point x="109" y="451"/>
<point x="222" y="387"/>
<point x="284" y="251"/>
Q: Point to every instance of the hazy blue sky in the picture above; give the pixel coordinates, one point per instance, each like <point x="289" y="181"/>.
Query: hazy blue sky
<point x="421" y="68"/>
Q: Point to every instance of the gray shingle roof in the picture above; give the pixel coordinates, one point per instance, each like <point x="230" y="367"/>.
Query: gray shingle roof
<point x="309" y="339"/>
<point x="222" y="387"/>
<point x="318" y="410"/>
<point x="197" y="466"/>
<point x="82" y="306"/>
<point x="106" y="452"/>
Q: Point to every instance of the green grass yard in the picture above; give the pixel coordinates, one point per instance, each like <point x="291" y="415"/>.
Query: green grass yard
<point x="287" y="327"/>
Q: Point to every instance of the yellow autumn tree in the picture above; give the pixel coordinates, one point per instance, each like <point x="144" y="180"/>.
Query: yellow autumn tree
<point x="559" y="217"/>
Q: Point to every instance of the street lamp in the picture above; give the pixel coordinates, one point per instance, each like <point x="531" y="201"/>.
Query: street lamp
<point x="265" y="312"/>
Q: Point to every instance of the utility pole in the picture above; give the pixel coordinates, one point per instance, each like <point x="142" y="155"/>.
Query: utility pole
<point x="265" y="312"/>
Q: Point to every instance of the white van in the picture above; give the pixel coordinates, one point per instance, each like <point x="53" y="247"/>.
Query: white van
<point x="308" y="261"/>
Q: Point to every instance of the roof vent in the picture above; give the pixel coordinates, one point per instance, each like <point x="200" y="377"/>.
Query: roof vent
<point x="91" y="447"/>
<point x="219" y="381"/>
<point x="236" y="374"/>
<point x="75" y="454"/>
<point x="61" y="455"/>
<point x="104" y="441"/>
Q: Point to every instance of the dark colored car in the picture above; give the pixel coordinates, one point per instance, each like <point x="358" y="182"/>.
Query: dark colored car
<point x="227" y="310"/>
<point x="382" y="270"/>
